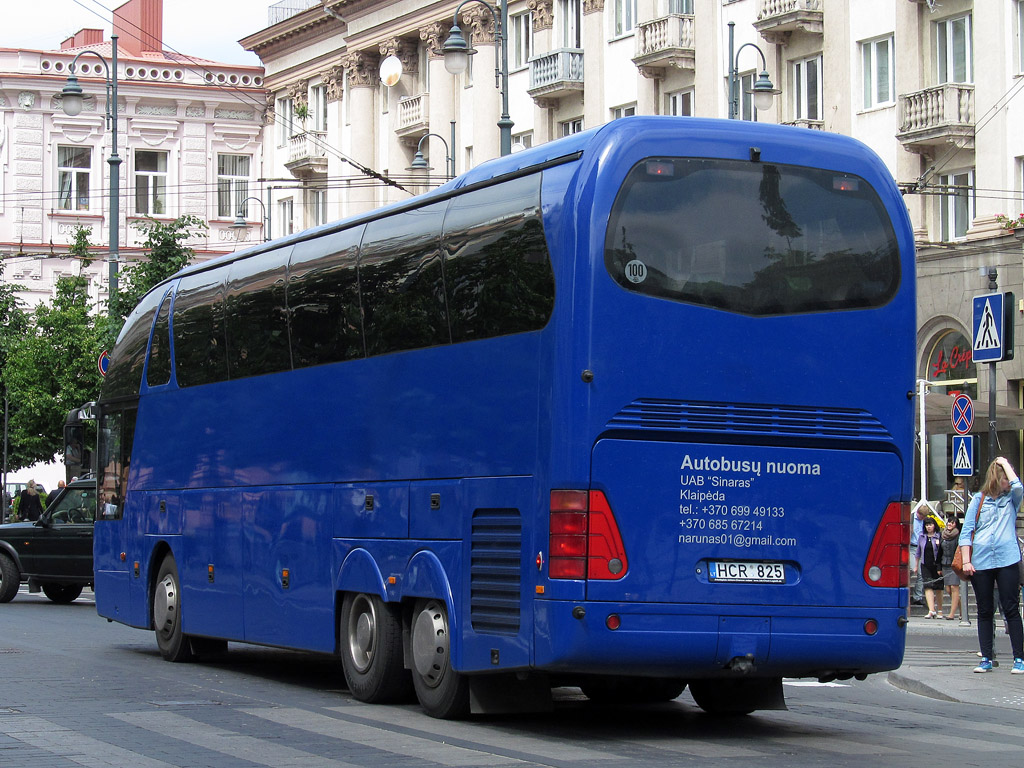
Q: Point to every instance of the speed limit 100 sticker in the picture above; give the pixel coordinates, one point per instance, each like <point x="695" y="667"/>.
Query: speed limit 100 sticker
<point x="636" y="271"/>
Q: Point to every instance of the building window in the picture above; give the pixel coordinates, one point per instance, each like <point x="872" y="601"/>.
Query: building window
<point x="150" y="182"/>
<point x="286" y="212"/>
<point x="232" y="184"/>
<point x="807" y="88"/>
<point x="957" y="204"/>
<point x="569" y="127"/>
<point x="1020" y="35"/>
<point x="522" y="141"/>
<point x="318" y="203"/>
<point x="747" y="109"/>
<point x="679" y="103"/>
<point x="73" y="166"/>
<point x="627" y="111"/>
<point x="876" y="61"/>
<point x="625" y="16"/>
<point x="570" y="17"/>
<point x="285" y="121"/>
<point x="318" y="107"/>
<point x="953" y="50"/>
<point x="680" y="6"/>
<point x="521" y="42"/>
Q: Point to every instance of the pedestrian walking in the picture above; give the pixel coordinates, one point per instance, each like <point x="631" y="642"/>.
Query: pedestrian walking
<point x="929" y="563"/>
<point x="29" y="504"/>
<point x="991" y="556"/>
<point x="951" y="582"/>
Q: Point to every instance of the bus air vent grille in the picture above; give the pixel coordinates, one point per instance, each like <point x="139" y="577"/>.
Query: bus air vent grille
<point x="746" y="419"/>
<point x="495" y="573"/>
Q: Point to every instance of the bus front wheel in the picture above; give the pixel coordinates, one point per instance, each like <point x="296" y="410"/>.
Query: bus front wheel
<point x="442" y="692"/>
<point x="174" y="644"/>
<point x="371" y="650"/>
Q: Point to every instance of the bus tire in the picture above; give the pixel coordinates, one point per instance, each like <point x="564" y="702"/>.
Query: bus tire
<point x="174" y="644"/>
<point x="442" y="692"/>
<point x="721" y="697"/>
<point x="632" y="690"/>
<point x="370" y="632"/>
<point x="10" y="579"/>
<point x="62" y="593"/>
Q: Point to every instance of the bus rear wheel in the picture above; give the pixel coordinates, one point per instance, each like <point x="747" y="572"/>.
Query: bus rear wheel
<point x="174" y="644"/>
<point x="62" y="593"/>
<point x="371" y="650"/>
<point x="442" y="692"/>
<point x="738" y="697"/>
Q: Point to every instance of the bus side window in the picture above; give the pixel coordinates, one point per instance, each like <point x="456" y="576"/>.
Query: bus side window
<point x="159" y="369"/>
<point x="256" y="321"/>
<point x="325" y="320"/>
<point x="401" y="282"/>
<point x="116" y="435"/>
<point x="124" y="377"/>
<point x="199" y="354"/>
<point x="497" y="266"/>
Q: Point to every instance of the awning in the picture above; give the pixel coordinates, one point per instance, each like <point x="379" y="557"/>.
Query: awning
<point x="938" y="409"/>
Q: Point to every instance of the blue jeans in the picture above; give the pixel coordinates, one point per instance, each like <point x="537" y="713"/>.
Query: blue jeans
<point x="984" y="583"/>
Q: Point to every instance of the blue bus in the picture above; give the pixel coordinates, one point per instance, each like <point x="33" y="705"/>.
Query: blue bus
<point x="628" y="411"/>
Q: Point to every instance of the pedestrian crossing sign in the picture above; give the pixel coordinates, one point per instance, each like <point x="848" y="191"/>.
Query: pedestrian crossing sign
<point x="963" y="455"/>
<point x="988" y="328"/>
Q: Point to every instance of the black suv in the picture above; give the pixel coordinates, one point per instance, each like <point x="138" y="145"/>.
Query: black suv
<point x="54" y="553"/>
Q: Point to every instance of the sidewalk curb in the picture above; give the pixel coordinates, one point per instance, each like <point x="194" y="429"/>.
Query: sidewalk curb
<point x="911" y="685"/>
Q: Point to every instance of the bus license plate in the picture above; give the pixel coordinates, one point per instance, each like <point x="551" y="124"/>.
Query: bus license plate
<point x="755" y="573"/>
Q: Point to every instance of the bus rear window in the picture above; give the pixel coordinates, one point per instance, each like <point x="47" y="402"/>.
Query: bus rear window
<point x="752" y="238"/>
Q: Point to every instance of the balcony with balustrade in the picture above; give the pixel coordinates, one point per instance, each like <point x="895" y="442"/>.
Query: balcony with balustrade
<point x="413" y="117"/>
<point x="665" y="42"/>
<point x="779" y="19"/>
<point x="556" y="74"/>
<point x="307" y="154"/>
<point x="937" y="116"/>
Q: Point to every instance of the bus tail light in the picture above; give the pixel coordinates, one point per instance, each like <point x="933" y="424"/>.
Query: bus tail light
<point x="888" y="563"/>
<point x="584" y="539"/>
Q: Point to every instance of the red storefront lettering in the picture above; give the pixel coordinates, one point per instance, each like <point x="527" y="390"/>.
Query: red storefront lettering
<point x="957" y="358"/>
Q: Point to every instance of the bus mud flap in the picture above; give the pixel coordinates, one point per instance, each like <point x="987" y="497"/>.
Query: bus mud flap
<point x="509" y="694"/>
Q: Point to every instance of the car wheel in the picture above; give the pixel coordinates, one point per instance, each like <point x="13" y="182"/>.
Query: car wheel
<point x="62" y="593"/>
<point x="442" y="692"/>
<point x="174" y="644"/>
<point x="10" y="579"/>
<point x="371" y="650"/>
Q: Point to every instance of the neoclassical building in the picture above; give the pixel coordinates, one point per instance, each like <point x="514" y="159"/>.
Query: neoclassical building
<point x="189" y="135"/>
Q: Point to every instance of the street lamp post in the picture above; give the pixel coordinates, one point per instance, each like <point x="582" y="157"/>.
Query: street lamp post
<point x="763" y="90"/>
<point x="71" y="103"/>
<point x="456" y="58"/>
<point x="419" y="163"/>
<point x="241" y="223"/>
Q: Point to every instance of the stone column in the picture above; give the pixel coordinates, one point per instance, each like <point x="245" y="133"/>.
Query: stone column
<point x="595" y="111"/>
<point x="444" y="101"/>
<point x="543" y="22"/>
<point x="363" y="79"/>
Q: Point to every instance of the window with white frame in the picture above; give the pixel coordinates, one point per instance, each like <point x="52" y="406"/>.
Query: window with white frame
<point x="318" y="205"/>
<point x="625" y="16"/>
<point x="232" y="185"/>
<point x="150" y="182"/>
<point x="285" y="121"/>
<point x="570" y="19"/>
<point x="807" y="88"/>
<point x="569" y="127"/>
<point x="625" y="111"/>
<point x="1020" y="35"/>
<point x="953" y="50"/>
<point x="286" y="211"/>
<point x="747" y="109"/>
<point x="956" y="204"/>
<point x="521" y="42"/>
<point x="877" y="71"/>
<point x="522" y="141"/>
<point x="679" y="103"/>
<point x="318" y="107"/>
<point x="73" y="166"/>
<point x="680" y="6"/>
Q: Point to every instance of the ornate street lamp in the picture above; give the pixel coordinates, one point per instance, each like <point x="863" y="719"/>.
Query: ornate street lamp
<point x="241" y="223"/>
<point x="71" y="102"/>
<point x="456" y="58"/>
<point x="763" y="90"/>
<point x="419" y="163"/>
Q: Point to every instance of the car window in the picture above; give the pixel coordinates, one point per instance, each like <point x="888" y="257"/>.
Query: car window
<point x="77" y="505"/>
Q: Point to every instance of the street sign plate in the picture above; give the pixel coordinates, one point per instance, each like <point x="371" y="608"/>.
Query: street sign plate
<point x="963" y="455"/>
<point x="988" y="328"/>
<point x="962" y="415"/>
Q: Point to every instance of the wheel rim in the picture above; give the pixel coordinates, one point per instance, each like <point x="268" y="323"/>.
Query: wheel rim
<point x="430" y="645"/>
<point x="165" y="605"/>
<point x="362" y="632"/>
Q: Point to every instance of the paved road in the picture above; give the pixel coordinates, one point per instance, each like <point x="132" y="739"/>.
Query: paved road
<point x="78" y="691"/>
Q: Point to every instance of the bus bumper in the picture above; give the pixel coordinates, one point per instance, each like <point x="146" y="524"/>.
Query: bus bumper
<point x="690" y="642"/>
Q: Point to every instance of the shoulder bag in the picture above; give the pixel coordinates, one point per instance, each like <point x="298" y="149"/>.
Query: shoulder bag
<point x="958" y="559"/>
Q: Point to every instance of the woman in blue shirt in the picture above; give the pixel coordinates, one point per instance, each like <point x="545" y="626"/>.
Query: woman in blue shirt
<point x="991" y="558"/>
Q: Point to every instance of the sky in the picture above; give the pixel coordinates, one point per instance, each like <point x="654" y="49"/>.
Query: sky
<point x="207" y="29"/>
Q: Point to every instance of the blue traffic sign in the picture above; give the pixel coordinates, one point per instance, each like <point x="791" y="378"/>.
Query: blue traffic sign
<point x="988" y="328"/>
<point x="962" y="414"/>
<point x="963" y="455"/>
